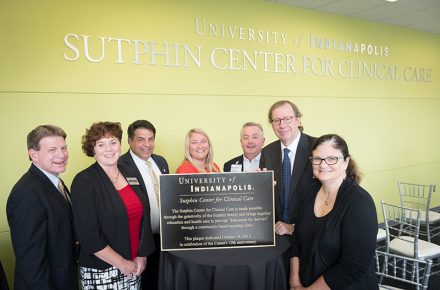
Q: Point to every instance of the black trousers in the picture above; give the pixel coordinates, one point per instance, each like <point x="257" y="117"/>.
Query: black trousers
<point x="150" y="277"/>
<point x="3" y="281"/>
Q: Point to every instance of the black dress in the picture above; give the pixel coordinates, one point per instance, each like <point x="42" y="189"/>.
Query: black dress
<point x="340" y="245"/>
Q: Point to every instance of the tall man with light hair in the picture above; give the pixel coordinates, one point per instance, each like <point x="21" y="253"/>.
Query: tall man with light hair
<point x="288" y="157"/>
<point x="40" y="217"/>
<point x="252" y="141"/>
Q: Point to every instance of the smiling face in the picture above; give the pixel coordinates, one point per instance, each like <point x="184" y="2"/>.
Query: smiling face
<point x="52" y="155"/>
<point x="329" y="173"/>
<point x="252" y="140"/>
<point x="142" y="143"/>
<point x="107" y="151"/>
<point x="286" y="132"/>
<point x="198" y="147"/>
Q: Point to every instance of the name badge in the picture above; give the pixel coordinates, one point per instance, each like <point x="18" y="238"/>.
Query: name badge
<point x="236" y="167"/>
<point x="132" y="181"/>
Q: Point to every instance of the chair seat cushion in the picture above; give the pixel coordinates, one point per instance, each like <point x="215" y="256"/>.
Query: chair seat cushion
<point x="433" y="216"/>
<point x="386" y="287"/>
<point x="381" y="235"/>
<point x="404" y="246"/>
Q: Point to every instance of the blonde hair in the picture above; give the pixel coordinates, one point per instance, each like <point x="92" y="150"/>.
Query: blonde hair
<point x="209" y="163"/>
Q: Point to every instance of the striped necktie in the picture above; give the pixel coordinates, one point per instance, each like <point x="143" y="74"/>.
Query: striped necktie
<point x="286" y="184"/>
<point x="154" y="179"/>
<point x="63" y="190"/>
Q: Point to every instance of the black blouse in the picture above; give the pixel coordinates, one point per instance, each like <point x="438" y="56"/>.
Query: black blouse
<point x="339" y="245"/>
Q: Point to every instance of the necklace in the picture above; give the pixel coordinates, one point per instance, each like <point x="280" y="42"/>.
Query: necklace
<point x="326" y="199"/>
<point x="116" y="179"/>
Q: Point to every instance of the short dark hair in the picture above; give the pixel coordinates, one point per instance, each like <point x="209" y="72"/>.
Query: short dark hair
<point x="140" y="124"/>
<point x="295" y="109"/>
<point x="339" y="143"/>
<point x="98" y="131"/>
<point x="34" y="137"/>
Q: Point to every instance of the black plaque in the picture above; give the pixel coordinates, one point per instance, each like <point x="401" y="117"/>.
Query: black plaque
<point x="216" y="210"/>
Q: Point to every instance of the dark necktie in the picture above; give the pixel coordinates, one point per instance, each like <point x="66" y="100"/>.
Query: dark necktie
<point x="286" y="184"/>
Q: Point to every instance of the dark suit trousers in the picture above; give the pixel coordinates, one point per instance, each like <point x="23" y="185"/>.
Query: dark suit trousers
<point x="150" y="277"/>
<point x="3" y="282"/>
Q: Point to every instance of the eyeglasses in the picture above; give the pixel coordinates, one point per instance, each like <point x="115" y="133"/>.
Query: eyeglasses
<point x="286" y="120"/>
<point x="330" y="160"/>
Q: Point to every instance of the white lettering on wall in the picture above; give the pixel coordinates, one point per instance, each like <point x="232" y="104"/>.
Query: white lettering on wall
<point x="237" y="32"/>
<point x="121" y="50"/>
<point x="347" y="46"/>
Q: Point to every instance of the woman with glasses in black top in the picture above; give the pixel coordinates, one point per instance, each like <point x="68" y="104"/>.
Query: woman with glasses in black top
<point x="335" y="229"/>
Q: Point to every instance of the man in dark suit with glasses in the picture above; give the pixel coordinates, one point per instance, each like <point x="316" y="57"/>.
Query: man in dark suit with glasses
<point x="288" y="157"/>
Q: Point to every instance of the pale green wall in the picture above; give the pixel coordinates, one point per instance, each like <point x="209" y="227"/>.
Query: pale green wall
<point x="391" y="126"/>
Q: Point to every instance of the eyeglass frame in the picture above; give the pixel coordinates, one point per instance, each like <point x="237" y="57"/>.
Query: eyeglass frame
<point x="311" y="158"/>
<point x="286" y="120"/>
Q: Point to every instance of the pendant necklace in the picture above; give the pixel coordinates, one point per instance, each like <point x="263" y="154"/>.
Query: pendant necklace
<point x="116" y="179"/>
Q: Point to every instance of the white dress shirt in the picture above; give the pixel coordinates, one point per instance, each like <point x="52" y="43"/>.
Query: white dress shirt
<point x="154" y="207"/>
<point x="292" y="147"/>
<point x="251" y="165"/>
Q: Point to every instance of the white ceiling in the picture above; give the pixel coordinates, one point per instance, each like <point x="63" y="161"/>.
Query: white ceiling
<point x="421" y="15"/>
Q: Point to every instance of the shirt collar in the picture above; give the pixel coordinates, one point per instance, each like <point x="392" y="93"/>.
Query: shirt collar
<point x="138" y="160"/>
<point x="53" y="178"/>
<point x="256" y="159"/>
<point x="292" y="147"/>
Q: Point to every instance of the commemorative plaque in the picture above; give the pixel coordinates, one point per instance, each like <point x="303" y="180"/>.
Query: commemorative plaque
<point x="216" y="210"/>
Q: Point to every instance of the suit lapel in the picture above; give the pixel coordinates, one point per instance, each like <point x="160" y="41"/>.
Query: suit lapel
<point x="128" y="160"/>
<point x="159" y="164"/>
<point x="277" y="165"/>
<point x="50" y="188"/>
<point x="301" y="159"/>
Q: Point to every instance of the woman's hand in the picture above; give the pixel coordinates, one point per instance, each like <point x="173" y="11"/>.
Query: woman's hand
<point x="127" y="267"/>
<point x="294" y="280"/>
<point x="295" y="283"/>
<point x="141" y="263"/>
<point x="108" y="255"/>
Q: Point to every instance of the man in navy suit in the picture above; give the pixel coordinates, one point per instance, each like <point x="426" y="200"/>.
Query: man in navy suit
<point x="252" y="140"/>
<point x="40" y="217"/>
<point x="285" y="118"/>
<point x="148" y="167"/>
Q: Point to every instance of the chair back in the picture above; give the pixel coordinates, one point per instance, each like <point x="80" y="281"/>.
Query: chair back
<point x="415" y="195"/>
<point x="402" y="226"/>
<point x="406" y="270"/>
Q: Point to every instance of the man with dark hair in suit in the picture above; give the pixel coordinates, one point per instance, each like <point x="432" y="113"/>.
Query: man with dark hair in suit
<point x="288" y="157"/>
<point x="40" y="217"/>
<point x="148" y="167"/>
<point x="252" y="140"/>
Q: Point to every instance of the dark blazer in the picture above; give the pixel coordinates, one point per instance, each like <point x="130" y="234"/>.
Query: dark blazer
<point x="343" y="246"/>
<point x="271" y="159"/>
<point x="150" y="277"/>
<point x="236" y="160"/>
<point x="101" y="217"/>
<point x="42" y="233"/>
<point x="127" y="160"/>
